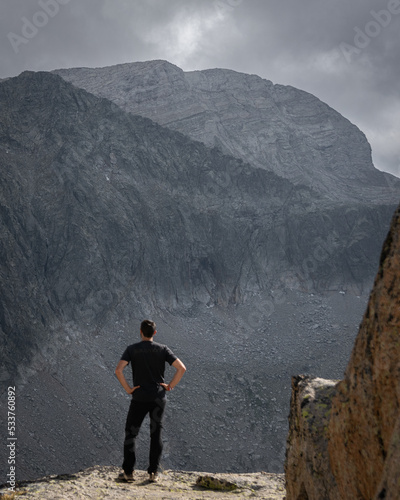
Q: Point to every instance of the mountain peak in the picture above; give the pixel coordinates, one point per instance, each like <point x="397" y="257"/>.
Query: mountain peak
<point x="274" y="127"/>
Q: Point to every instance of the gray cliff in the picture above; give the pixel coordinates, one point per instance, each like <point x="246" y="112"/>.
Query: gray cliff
<point x="273" y="127"/>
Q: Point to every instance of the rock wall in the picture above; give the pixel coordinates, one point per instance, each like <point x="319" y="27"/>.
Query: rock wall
<point x="344" y="439"/>
<point x="365" y="411"/>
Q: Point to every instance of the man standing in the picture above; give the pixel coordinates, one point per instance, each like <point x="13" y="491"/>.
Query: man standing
<point x="148" y="360"/>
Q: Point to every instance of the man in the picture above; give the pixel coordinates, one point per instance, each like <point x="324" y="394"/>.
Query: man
<point x="148" y="360"/>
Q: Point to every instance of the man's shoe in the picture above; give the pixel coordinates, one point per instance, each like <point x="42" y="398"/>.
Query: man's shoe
<point x="126" y="477"/>
<point x="153" y="477"/>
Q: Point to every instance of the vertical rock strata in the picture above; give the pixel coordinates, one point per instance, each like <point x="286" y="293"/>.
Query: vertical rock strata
<point x="350" y="448"/>
<point x="307" y="467"/>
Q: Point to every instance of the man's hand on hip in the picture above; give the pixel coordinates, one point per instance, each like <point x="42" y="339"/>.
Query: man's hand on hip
<point x="132" y="389"/>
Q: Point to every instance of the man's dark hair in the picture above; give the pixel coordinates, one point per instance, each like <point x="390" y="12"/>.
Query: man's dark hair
<point x="148" y="328"/>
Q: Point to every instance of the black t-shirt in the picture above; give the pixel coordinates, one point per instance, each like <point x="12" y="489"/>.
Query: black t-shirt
<point x="148" y="360"/>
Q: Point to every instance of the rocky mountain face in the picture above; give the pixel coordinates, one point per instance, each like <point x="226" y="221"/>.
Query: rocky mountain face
<point x="273" y="127"/>
<point x="344" y="437"/>
<point x="108" y="217"/>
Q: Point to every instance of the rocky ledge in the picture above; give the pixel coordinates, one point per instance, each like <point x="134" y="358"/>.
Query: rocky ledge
<point x="101" y="482"/>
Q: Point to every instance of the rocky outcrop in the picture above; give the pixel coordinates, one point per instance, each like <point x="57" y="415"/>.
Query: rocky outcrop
<point x="101" y="482"/>
<point x="352" y="428"/>
<point x="364" y="428"/>
<point x="307" y="468"/>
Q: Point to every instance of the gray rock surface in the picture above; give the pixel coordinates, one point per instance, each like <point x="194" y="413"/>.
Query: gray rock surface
<point x="107" y="218"/>
<point x="273" y="127"/>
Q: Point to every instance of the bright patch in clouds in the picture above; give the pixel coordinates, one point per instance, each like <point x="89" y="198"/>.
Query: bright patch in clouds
<point x="184" y="36"/>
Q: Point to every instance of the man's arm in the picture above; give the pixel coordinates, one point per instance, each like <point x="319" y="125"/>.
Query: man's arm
<point x="121" y="377"/>
<point x="180" y="370"/>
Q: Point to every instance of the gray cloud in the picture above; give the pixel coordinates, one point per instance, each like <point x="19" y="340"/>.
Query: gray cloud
<point x="304" y="43"/>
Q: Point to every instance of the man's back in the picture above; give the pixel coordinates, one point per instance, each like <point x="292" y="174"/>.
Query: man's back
<point x="148" y="366"/>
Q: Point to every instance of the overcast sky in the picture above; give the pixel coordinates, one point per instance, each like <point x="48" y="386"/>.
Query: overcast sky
<point x="346" y="52"/>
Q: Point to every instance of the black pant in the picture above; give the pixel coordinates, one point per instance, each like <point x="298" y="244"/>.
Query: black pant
<point x="137" y="411"/>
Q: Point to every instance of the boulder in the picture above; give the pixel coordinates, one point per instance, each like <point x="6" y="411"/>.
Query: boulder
<point x="307" y="467"/>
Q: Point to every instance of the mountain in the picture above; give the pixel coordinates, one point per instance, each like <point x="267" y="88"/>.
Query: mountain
<point x="108" y="217"/>
<point x="273" y="127"/>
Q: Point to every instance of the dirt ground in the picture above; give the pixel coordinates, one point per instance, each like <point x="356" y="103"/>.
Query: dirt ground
<point x="98" y="483"/>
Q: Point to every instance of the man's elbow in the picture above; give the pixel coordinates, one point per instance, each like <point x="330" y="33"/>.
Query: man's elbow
<point x="179" y="366"/>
